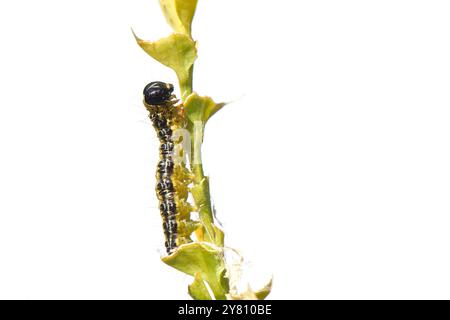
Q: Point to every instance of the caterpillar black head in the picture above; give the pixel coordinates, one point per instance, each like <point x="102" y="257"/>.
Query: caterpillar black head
<point x="157" y="92"/>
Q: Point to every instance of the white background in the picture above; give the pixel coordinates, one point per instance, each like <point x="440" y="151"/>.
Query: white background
<point x="330" y="170"/>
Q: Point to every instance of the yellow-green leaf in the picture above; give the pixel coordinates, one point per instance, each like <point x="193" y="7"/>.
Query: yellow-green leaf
<point x="200" y="108"/>
<point x="178" y="52"/>
<point x="197" y="289"/>
<point x="219" y="236"/>
<point x="203" y="258"/>
<point x="179" y="14"/>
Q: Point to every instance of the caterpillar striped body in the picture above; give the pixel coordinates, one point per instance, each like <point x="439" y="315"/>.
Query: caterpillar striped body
<point x="165" y="115"/>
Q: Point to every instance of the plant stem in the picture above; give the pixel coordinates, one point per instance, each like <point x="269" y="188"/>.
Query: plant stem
<point x="202" y="200"/>
<point x="186" y="83"/>
<point x="200" y="190"/>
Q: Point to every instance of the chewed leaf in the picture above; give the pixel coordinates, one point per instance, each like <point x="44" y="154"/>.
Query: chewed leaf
<point x="204" y="259"/>
<point x="264" y="292"/>
<point x="250" y="294"/>
<point x="200" y="108"/>
<point x="178" y="52"/>
<point x="197" y="289"/>
<point x="179" y="14"/>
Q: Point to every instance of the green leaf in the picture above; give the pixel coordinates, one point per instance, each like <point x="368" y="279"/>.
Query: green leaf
<point x="200" y="108"/>
<point x="178" y="52"/>
<point x="197" y="290"/>
<point x="179" y="14"/>
<point x="202" y="258"/>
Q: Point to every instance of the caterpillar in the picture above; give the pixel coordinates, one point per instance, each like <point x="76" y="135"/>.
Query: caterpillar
<point x="172" y="179"/>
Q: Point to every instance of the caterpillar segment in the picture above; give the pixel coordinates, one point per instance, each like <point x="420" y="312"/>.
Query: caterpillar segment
<point x="173" y="179"/>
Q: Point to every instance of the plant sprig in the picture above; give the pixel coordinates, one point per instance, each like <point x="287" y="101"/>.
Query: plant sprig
<point x="203" y="259"/>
